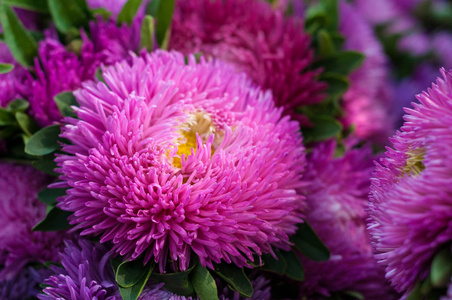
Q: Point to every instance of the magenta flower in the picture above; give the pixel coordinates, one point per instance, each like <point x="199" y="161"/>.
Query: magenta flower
<point x="335" y="210"/>
<point x="58" y="69"/>
<point x="367" y="103"/>
<point x="169" y="159"/>
<point x="410" y="196"/>
<point x="20" y="210"/>
<point x="273" y="50"/>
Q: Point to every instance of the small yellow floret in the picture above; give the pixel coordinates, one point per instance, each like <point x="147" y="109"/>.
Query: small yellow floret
<point x="413" y="165"/>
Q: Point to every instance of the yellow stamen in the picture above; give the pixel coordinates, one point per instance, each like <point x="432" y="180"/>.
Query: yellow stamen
<point x="413" y="165"/>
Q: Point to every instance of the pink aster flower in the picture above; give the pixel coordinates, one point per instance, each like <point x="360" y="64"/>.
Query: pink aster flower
<point x="58" y="69"/>
<point x="170" y="158"/>
<point x="335" y="210"/>
<point x="273" y="50"/>
<point x="20" y="210"/>
<point x="411" y="196"/>
<point x="367" y="103"/>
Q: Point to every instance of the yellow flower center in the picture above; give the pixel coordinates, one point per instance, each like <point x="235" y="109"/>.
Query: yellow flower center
<point x="413" y="165"/>
<point x="199" y="123"/>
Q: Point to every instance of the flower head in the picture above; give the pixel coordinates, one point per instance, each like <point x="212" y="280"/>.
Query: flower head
<point x="367" y="102"/>
<point x="411" y="197"/>
<point x="20" y="210"/>
<point x="336" y="212"/>
<point x="169" y="159"/>
<point x="273" y="50"/>
<point x="25" y="285"/>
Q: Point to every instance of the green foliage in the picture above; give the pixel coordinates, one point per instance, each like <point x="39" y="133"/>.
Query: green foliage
<point x="44" y="141"/>
<point x="235" y="277"/>
<point x="46" y="164"/>
<point x="131" y="276"/>
<point x="69" y="16"/>
<point x="64" y="102"/>
<point x="134" y="291"/>
<point x="203" y="283"/>
<point x="178" y="282"/>
<point x="49" y="196"/>
<point x="286" y="263"/>
<point x="441" y="268"/>
<point x="129" y="11"/>
<point x="56" y="219"/>
<point x="308" y="243"/>
<point x="6" y="68"/>
<point x="33" y="5"/>
<point x="147" y="33"/>
<point x="20" y="42"/>
<point x="162" y="11"/>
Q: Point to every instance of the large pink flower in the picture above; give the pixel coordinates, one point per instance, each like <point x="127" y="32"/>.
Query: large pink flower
<point x="170" y="158"/>
<point x="411" y="195"/>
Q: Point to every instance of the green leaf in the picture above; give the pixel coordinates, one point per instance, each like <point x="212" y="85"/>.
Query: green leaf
<point x="133" y="292"/>
<point x="105" y="14"/>
<point x="337" y="84"/>
<point x="441" y="268"/>
<point x="308" y="243"/>
<point x="22" y="45"/>
<point x="343" y="63"/>
<point x="49" y="196"/>
<point x="163" y="12"/>
<point x="27" y="124"/>
<point x="129" y="11"/>
<point x="33" y="5"/>
<point x="235" y="277"/>
<point x="56" y="219"/>
<point x="64" y="102"/>
<point x="177" y="283"/>
<point x="326" y="45"/>
<point x="46" y="164"/>
<point x="69" y="15"/>
<point x="99" y="75"/>
<point x="147" y="33"/>
<point x="129" y="273"/>
<point x="18" y="105"/>
<point x="324" y="128"/>
<point x="354" y="295"/>
<point x="6" y="68"/>
<point x="6" y="117"/>
<point x="415" y="293"/>
<point x="203" y="283"/>
<point x="274" y="265"/>
<point x="294" y="268"/>
<point x="43" y="142"/>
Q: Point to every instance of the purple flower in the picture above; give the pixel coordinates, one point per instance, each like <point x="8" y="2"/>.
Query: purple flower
<point x="58" y="69"/>
<point x="20" y="210"/>
<point x="368" y="101"/>
<point x="273" y="50"/>
<point x="410" y="196"/>
<point x="24" y="285"/>
<point x="169" y="158"/>
<point x="335" y="210"/>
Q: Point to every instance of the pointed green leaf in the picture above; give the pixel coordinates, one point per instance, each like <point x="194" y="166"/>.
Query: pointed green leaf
<point x="49" y="196"/>
<point x="105" y="14"/>
<point x="129" y="273"/>
<point x="274" y="265"/>
<point x="46" y="164"/>
<point x="22" y="45"/>
<point x="415" y="293"/>
<point x="147" y="33"/>
<point x="163" y="12"/>
<point x="441" y="268"/>
<point x="18" y="105"/>
<point x="308" y="243"/>
<point x="326" y="45"/>
<point x="64" y="102"/>
<point x="337" y="83"/>
<point x="236" y="278"/>
<point x="129" y="11"/>
<point x="6" y="68"/>
<point x="33" y="5"/>
<point x="56" y="219"/>
<point x="342" y="63"/>
<point x="178" y="283"/>
<point x="324" y="128"/>
<point x="27" y="124"/>
<point x="203" y="283"/>
<point x="69" y="15"/>
<point x="43" y="142"/>
<point x="6" y="117"/>
<point x="354" y="295"/>
<point x="133" y="292"/>
<point x="294" y="269"/>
